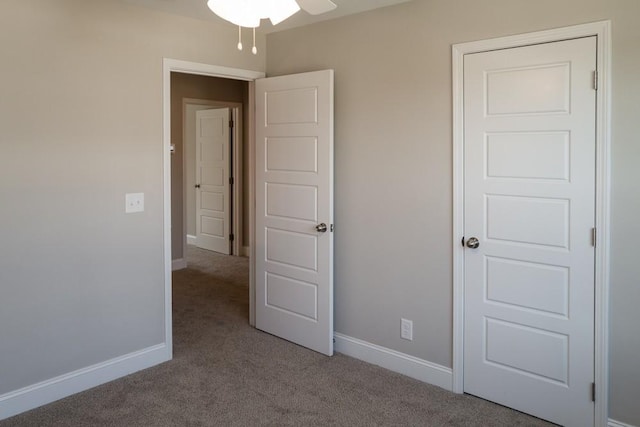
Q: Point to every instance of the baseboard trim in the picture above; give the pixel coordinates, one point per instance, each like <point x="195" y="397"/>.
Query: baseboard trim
<point x="614" y="423"/>
<point x="191" y="240"/>
<point x="178" y="264"/>
<point x="245" y="251"/>
<point x="402" y="363"/>
<point x="30" y="397"/>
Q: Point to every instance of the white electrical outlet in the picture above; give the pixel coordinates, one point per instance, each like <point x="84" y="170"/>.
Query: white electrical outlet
<point x="406" y="329"/>
<point x="134" y="202"/>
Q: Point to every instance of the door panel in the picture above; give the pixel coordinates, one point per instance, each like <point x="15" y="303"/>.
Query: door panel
<point x="213" y="163"/>
<point x="539" y="353"/>
<point x="297" y="250"/>
<point x="294" y="193"/>
<point x="292" y="201"/>
<point x="539" y="287"/>
<point x="506" y="95"/>
<point x="528" y="155"/>
<point x="291" y="106"/>
<point x="293" y="296"/>
<point x="507" y="214"/>
<point x="530" y="200"/>
<point x="292" y="154"/>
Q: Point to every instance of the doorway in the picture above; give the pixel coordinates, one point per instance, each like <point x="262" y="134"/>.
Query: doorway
<point x="171" y="66"/>
<point x="189" y="93"/>
<point x="495" y="351"/>
<point x="283" y="94"/>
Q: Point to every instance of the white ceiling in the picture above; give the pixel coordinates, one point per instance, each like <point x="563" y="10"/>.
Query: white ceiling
<point x="198" y="9"/>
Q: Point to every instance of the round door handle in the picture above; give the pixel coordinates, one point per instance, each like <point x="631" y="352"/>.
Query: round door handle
<point x="473" y="243"/>
<point x="321" y="228"/>
<point x="197" y="185"/>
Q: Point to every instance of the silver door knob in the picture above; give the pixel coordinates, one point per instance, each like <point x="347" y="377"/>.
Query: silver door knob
<point x="321" y="228"/>
<point x="473" y="243"/>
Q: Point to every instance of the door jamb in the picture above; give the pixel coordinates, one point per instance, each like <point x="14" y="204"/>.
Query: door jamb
<point x="169" y="66"/>
<point x="236" y="113"/>
<point x="602" y="30"/>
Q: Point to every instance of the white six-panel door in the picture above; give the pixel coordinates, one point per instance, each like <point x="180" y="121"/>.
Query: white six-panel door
<point x="294" y="208"/>
<point x="213" y="208"/>
<point x="529" y="165"/>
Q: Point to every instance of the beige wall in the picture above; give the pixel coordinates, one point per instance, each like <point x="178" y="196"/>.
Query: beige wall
<point x="206" y="88"/>
<point x="81" y="282"/>
<point x="81" y="125"/>
<point x="393" y="173"/>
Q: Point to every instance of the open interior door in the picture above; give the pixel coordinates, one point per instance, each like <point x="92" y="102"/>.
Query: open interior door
<point x="213" y="207"/>
<point x="294" y="208"/>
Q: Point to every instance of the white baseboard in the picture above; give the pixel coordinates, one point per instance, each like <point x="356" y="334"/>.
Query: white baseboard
<point x="24" y="399"/>
<point x="405" y="364"/>
<point x="245" y="251"/>
<point x="178" y="264"/>
<point x="614" y="423"/>
<point x="191" y="240"/>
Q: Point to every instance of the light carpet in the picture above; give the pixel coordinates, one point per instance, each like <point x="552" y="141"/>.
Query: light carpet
<point x="226" y="373"/>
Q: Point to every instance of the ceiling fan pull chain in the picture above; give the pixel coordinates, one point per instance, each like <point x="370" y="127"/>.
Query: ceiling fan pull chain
<point x="254" y="49"/>
<point x="239" y="37"/>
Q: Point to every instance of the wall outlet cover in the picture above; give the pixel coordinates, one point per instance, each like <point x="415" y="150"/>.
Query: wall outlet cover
<point x="406" y="329"/>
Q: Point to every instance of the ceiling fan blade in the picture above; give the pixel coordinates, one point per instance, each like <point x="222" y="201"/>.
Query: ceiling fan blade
<point x="316" y="7"/>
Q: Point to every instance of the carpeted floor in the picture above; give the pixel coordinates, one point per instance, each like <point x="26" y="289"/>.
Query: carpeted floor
<point x="225" y="373"/>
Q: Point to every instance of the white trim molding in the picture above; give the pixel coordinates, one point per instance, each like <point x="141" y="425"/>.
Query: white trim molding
<point x="602" y="30"/>
<point x="614" y="423"/>
<point x="395" y="361"/>
<point x="48" y="391"/>
<point x="245" y="251"/>
<point x="191" y="240"/>
<point x="178" y="264"/>
<point x="251" y="185"/>
<point x="187" y="67"/>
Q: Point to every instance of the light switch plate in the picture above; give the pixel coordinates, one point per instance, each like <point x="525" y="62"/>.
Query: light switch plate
<point x="134" y="202"/>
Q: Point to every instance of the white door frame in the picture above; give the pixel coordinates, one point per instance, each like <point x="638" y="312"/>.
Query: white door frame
<point x="169" y="66"/>
<point x="602" y="30"/>
<point x="236" y="160"/>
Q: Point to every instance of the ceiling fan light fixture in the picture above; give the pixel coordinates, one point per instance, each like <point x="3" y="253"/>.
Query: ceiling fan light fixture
<point x="248" y="13"/>
<point x="238" y="12"/>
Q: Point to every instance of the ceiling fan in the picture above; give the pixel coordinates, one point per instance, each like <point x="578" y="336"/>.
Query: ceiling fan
<point x="248" y="13"/>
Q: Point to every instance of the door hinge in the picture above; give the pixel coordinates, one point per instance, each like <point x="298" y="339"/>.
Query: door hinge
<point x="593" y="237"/>
<point x="593" y="392"/>
<point x="231" y="237"/>
<point x="595" y="80"/>
<point x="231" y="123"/>
<point x="231" y="180"/>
